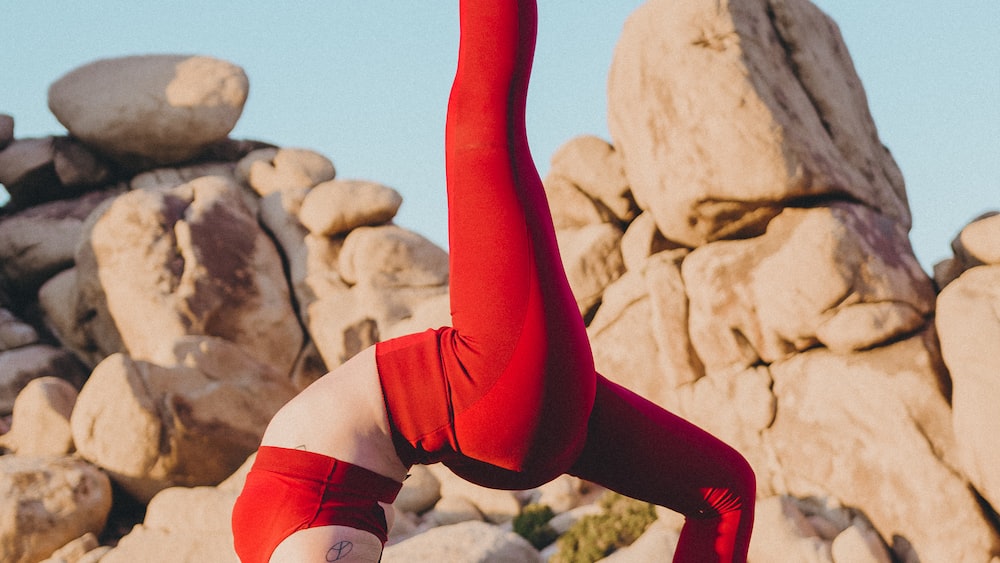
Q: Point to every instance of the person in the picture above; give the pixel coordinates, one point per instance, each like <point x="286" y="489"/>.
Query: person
<point x="508" y="396"/>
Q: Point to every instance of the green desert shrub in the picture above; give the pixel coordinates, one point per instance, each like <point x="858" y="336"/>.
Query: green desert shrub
<point x="621" y="521"/>
<point x="532" y="524"/>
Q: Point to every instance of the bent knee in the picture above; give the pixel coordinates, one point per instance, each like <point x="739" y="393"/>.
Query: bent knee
<point x="737" y="492"/>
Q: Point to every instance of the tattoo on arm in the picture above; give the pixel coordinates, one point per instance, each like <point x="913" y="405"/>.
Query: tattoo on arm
<point x="339" y="551"/>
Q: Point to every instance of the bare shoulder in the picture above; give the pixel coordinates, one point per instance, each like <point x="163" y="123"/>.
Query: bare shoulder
<point x="328" y="543"/>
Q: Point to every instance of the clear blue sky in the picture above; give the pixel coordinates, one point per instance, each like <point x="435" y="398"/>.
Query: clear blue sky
<point x="365" y="83"/>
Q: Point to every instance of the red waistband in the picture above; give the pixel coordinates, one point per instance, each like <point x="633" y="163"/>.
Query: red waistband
<point x="337" y="474"/>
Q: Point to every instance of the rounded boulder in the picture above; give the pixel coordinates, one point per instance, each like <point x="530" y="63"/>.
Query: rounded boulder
<point x="150" y="110"/>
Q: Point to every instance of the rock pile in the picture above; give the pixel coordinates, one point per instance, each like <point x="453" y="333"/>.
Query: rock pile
<point x="739" y="252"/>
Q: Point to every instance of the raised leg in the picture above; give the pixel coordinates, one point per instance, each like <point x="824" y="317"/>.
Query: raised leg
<point x="516" y="364"/>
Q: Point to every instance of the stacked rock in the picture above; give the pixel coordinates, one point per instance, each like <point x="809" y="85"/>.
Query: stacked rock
<point x="739" y="253"/>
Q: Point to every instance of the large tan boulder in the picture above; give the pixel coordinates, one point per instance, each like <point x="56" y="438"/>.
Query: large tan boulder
<point x="47" y="502"/>
<point x="190" y="260"/>
<point x="151" y="109"/>
<point x="841" y="276"/>
<point x="968" y="323"/>
<point x="873" y="431"/>
<point x="725" y="113"/>
<point x="190" y="422"/>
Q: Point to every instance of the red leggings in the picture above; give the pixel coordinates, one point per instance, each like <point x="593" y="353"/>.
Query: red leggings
<point x="508" y="396"/>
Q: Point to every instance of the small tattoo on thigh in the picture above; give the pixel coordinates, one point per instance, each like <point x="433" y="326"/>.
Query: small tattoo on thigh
<point x="339" y="551"/>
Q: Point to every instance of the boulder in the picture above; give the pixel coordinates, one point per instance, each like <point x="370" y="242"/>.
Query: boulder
<point x="640" y="333"/>
<point x="736" y="406"/>
<point x="452" y="510"/>
<point x="968" y="324"/>
<point x="562" y="494"/>
<point x="152" y="109"/>
<point x="781" y="532"/>
<point x="725" y="115"/>
<point x="37" y="243"/>
<point x="197" y="261"/>
<point x="84" y="549"/>
<point x="626" y="349"/>
<point x="191" y="422"/>
<point x="47" y="502"/>
<point x="392" y="257"/>
<point x="15" y="333"/>
<point x="641" y="240"/>
<point x="6" y="130"/>
<point x="61" y="304"/>
<point x="279" y="215"/>
<point x="979" y="242"/>
<point x="391" y="271"/>
<point x="975" y="245"/>
<point x="312" y="260"/>
<point x="421" y="490"/>
<point x="338" y="206"/>
<point x="20" y="366"/>
<point x="186" y="525"/>
<point x="495" y="505"/>
<point x="35" y="171"/>
<point x="182" y="525"/>
<point x="840" y="276"/>
<point x="657" y="543"/>
<point x="468" y="542"/>
<point x="873" y="431"/>
<point x="592" y="258"/>
<point x="571" y="207"/>
<point x="341" y="327"/>
<point x="273" y="170"/>
<point x="23" y="158"/>
<point x="434" y="312"/>
<point x="859" y="544"/>
<point x="165" y="178"/>
<point x="40" y="425"/>
<point x="594" y="167"/>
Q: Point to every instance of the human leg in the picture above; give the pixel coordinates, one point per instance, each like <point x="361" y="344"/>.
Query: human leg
<point x="642" y="451"/>
<point x="516" y="367"/>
